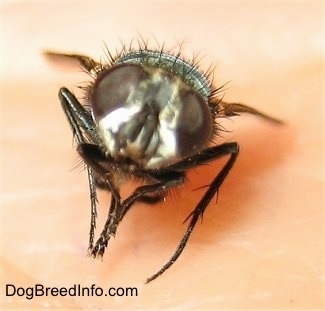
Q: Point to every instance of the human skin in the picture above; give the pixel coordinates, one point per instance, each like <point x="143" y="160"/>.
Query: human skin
<point x="261" y="245"/>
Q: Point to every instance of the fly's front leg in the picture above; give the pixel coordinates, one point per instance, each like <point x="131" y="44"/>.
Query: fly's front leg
<point x="173" y="179"/>
<point x="82" y="124"/>
<point x="208" y="155"/>
<point x="119" y="209"/>
<point x="102" y="168"/>
<point x="109" y="230"/>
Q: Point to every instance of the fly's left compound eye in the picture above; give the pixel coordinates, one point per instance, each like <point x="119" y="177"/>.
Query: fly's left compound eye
<point x="194" y="123"/>
<point x="113" y="88"/>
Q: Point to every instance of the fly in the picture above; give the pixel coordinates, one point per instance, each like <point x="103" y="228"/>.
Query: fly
<point x="148" y="115"/>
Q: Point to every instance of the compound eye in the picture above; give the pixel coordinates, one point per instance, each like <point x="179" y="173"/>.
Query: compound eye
<point x="195" y="125"/>
<point x="113" y="87"/>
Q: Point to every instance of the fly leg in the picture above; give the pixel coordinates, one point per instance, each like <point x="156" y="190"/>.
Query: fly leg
<point x="209" y="154"/>
<point x="83" y="128"/>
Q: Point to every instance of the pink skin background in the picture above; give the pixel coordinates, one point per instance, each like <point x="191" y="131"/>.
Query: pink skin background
<point x="260" y="246"/>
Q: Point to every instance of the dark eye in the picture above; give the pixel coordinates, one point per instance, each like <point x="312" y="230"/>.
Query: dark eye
<point x="113" y="87"/>
<point x="195" y="123"/>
